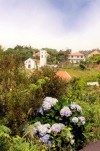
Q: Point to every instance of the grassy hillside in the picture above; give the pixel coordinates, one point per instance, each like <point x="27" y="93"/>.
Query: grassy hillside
<point x="83" y="73"/>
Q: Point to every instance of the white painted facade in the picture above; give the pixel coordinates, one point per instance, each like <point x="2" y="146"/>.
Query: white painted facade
<point x="30" y="64"/>
<point x="43" y="58"/>
<point x="33" y="63"/>
<point x="76" y="57"/>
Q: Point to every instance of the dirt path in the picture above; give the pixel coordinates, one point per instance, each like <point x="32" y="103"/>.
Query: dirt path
<point x="92" y="147"/>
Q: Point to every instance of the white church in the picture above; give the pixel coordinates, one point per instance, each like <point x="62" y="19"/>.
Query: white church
<point x="34" y="63"/>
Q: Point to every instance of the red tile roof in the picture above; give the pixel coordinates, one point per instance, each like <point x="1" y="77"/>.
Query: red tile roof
<point x="38" y="54"/>
<point x="36" y="60"/>
<point x="64" y="75"/>
<point x="95" y="52"/>
<point x="76" y="54"/>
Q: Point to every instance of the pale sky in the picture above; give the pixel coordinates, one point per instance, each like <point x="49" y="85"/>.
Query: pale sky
<point x="58" y="24"/>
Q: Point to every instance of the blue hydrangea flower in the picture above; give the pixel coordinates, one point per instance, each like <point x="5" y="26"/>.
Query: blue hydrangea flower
<point x="75" y="106"/>
<point x="57" y="127"/>
<point x="65" y="111"/>
<point x="45" y="138"/>
<point x="49" y="102"/>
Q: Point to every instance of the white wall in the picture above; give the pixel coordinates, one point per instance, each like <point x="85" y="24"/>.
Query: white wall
<point x="76" y="59"/>
<point x="43" y="58"/>
<point x="30" y="64"/>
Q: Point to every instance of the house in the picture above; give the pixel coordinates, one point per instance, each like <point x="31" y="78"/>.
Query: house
<point x="31" y="63"/>
<point x="63" y="75"/>
<point x="76" y="57"/>
<point x="95" y="52"/>
<point x="34" y="63"/>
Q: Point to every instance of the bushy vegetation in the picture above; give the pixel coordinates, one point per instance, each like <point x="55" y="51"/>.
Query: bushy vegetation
<point x="22" y="93"/>
<point x="60" y="124"/>
<point x="17" y="143"/>
<point x="94" y="59"/>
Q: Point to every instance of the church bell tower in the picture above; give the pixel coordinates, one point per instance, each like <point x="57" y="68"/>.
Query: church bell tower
<point x="43" y="58"/>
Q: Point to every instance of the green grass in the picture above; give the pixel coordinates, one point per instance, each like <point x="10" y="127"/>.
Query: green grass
<point x="83" y="73"/>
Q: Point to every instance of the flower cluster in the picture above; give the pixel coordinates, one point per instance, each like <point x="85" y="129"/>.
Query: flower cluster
<point x="44" y="130"/>
<point x="46" y="139"/>
<point x="80" y="119"/>
<point x="49" y="102"/>
<point x="75" y="120"/>
<point x="65" y="111"/>
<point x="76" y="107"/>
<point x="57" y="127"/>
<point x="41" y="129"/>
<point x="48" y="133"/>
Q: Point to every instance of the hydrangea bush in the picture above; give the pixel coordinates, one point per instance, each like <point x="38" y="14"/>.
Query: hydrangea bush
<point x="60" y="124"/>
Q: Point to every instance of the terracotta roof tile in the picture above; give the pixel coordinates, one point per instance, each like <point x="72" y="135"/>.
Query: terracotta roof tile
<point x="36" y="60"/>
<point x="76" y="54"/>
<point x="63" y="74"/>
<point x="38" y="54"/>
<point x="95" y="52"/>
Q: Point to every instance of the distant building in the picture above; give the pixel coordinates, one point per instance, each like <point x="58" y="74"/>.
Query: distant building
<point x="95" y="52"/>
<point x="76" y="57"/>
<point x="35" y="63"/>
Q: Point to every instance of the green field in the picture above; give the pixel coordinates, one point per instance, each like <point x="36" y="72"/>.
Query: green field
<point x="83" y="73"/>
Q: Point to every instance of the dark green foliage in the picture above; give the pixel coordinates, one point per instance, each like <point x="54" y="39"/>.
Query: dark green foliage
<point x="52" y="52"/>
<point x="82" y="66"/>
<point x="22" y="92"/>
<point x="95" y="59"/>
<point x="56" y="87"/>
<point x="23" y="52"/>
<point x="17" y="95"/>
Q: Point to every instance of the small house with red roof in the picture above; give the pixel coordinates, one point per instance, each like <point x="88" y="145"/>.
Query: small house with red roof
<point x="31" y="63"/>
<point x="95" y="52"/>
<point x="76" y="57"/>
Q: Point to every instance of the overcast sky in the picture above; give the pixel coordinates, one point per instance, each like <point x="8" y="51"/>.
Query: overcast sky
<point x="59" y="24"/>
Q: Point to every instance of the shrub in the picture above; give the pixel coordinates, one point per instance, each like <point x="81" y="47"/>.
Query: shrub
<point x="20" y="144"/>
<point x="82" y="66"/>
<point x="4" y="138"/>
<point x="10" y="143"/>
<point x="60" y="124"/>
<point x="92" y="114"/>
